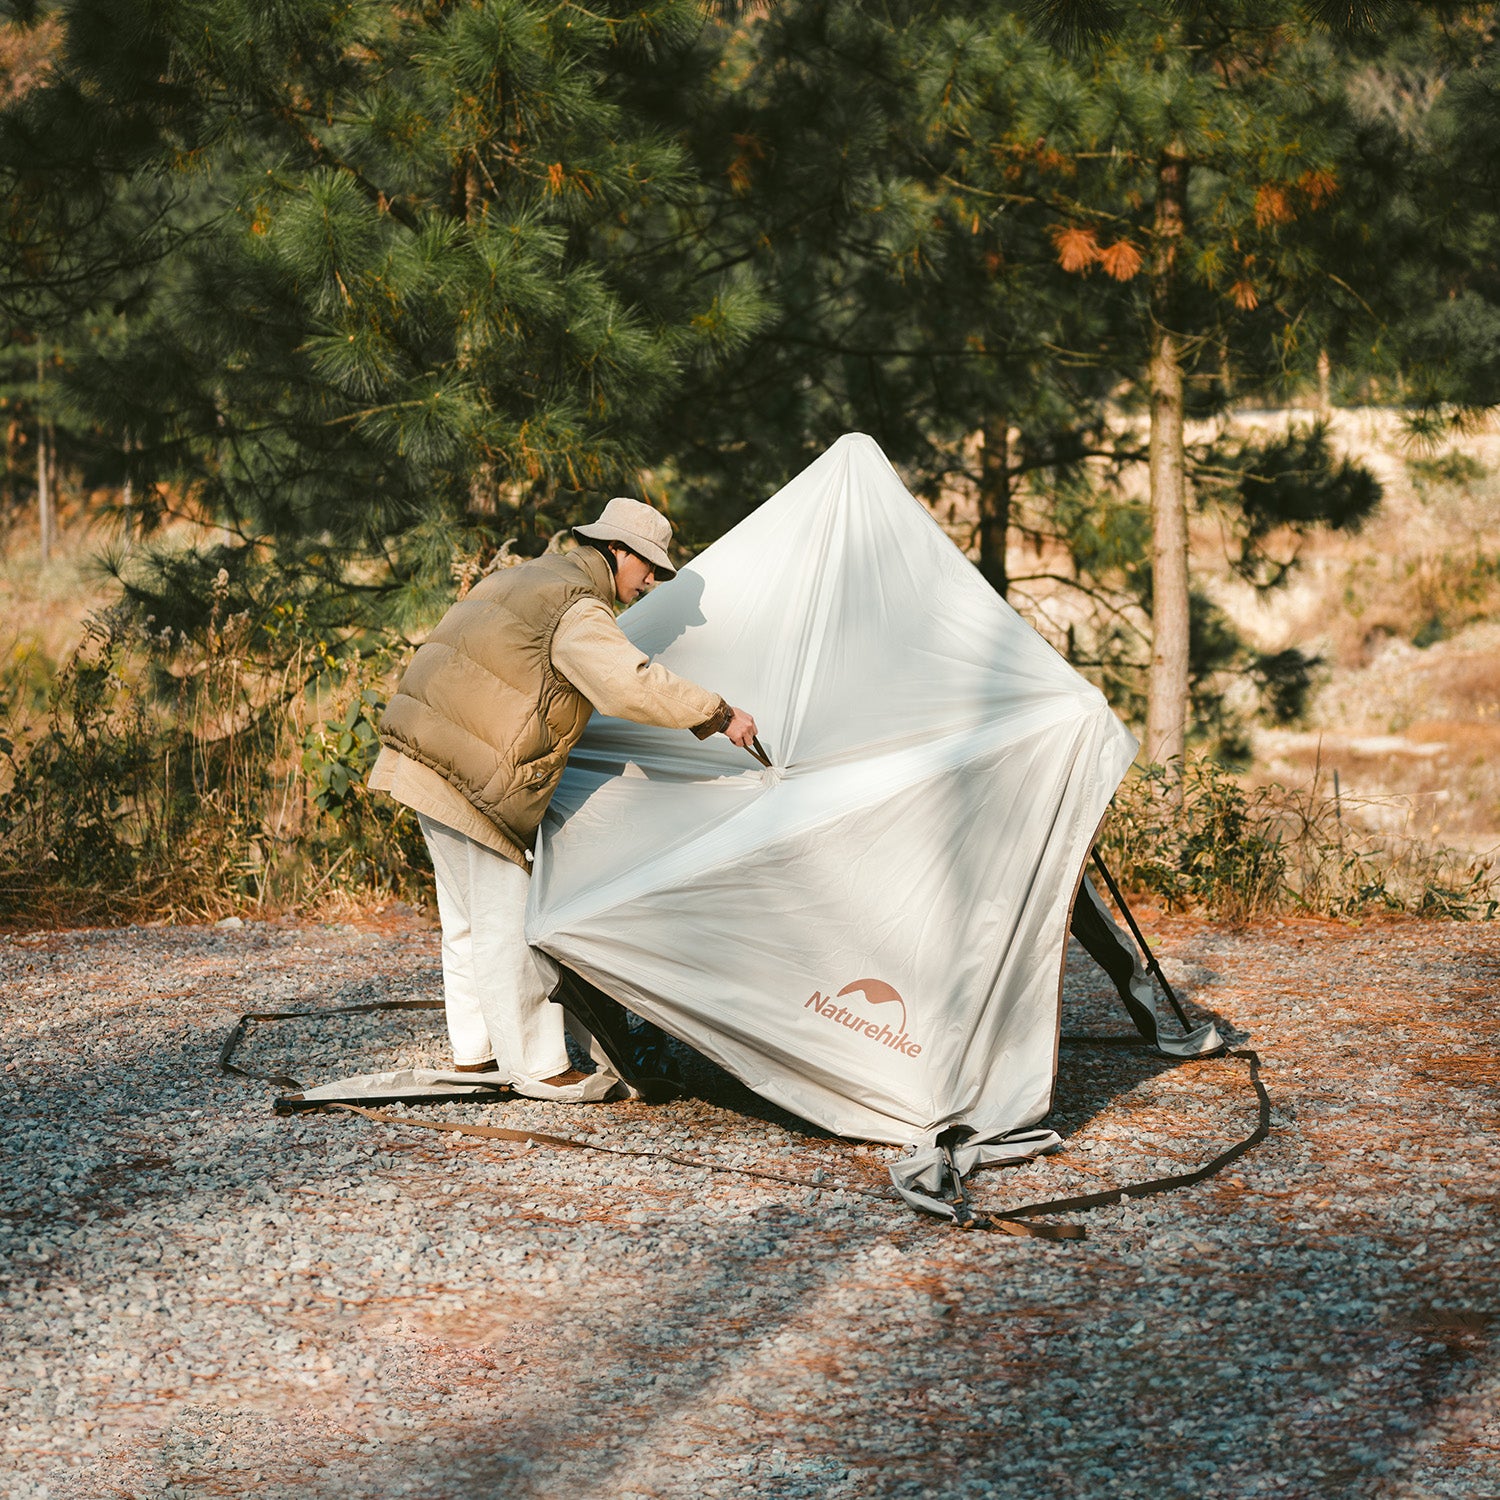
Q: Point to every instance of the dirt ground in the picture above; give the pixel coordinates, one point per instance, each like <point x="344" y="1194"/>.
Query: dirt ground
<point x="200" y="1298"/>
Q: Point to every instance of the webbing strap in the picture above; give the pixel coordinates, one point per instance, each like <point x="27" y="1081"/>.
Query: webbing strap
<point x="1162" y="1184"/>
<point x="283" y="1080"/>
<point x="1014" y="1221"/>
<point x="488" y="1132"/>
<point x="499" y="1133"/>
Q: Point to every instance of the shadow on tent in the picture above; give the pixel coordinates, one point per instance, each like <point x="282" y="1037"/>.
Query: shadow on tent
<point x="651" y="1063"/>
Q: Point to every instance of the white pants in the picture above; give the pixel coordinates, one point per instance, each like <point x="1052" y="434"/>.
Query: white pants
<point x="496" y="986"/>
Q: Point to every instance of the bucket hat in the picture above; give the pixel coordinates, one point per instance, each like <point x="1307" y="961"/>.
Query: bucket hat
<point x="638" y="527"/>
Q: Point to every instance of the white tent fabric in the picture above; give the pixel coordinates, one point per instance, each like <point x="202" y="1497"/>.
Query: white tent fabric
<point x="871" y="932"/>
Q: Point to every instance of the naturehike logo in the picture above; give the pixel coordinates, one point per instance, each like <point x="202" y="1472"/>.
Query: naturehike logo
<point x="873" y="992"/>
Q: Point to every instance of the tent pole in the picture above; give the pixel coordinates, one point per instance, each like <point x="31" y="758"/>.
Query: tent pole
<point x="1152" y="966"/>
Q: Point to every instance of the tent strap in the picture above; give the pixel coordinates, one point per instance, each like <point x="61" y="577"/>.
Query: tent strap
<point x="1155" y="1185"/>
<point x="283" y="1080"/>
<point x="527" y="1137"/>
<point x="1012" y="1221"/>
<point x="945" y="1177"/>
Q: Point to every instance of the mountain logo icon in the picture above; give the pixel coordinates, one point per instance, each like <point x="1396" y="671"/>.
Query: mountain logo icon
<point x="876" y="992"/>
<point x="871" y="992"/>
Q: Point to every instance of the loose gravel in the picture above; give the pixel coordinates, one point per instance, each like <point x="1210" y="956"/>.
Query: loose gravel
<point x="201" y="1299"/>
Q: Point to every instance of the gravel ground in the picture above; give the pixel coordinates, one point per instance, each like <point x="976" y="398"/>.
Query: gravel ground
<point x="202" y="1299"/>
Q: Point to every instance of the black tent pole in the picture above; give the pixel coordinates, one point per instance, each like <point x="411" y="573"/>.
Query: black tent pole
<point x="1152" y="966"/>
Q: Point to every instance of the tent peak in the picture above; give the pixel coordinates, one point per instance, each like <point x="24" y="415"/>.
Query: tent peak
<point x="864" y="454"/>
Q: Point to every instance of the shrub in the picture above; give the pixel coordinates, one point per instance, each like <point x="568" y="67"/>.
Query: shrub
<point x="168" y="778"/>
<point x="172" y="778"/>
<point x="1198" y="839"/>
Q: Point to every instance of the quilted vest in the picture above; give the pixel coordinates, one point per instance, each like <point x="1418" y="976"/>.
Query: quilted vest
<point x="481" y="703"/>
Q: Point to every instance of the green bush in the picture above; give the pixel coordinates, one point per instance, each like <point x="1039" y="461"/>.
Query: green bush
<point x="337" y="755"/>
<point x="1196" y="840"/>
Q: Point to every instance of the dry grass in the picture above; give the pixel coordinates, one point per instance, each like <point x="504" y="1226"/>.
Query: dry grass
<point x="42" y="611"/>
<point x="171" y="779"/>
<point x="1406" y="617"/>
<point x="1414" y="739"/>
<point x="1204" y="840"/>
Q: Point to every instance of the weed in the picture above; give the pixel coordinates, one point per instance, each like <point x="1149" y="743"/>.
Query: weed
<point x="172" y="778"/>
<point x="1198" y="838"/>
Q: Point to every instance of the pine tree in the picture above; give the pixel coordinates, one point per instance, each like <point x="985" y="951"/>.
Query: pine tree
<point x="1204" y="155"/>
<point x="1228" y="197"/>
<point x="910" y="300"/>
<point x="959" y="260"/>
<point x="399" y="308"/>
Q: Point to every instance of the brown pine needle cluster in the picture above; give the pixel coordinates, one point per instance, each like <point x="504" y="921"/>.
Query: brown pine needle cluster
<point x="1078" y="251"/>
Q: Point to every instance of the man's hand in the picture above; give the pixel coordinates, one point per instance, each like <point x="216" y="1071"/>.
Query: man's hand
<point x="741" y="728"/>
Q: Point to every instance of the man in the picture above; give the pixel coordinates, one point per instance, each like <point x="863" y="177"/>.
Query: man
<point x="475" y="740"/>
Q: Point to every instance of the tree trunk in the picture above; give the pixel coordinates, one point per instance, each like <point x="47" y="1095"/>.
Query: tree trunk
<point x="127" y="498"/>
<point x="43" y="469"/>
<point x="1167" y="706"/>
<point x="994" y="503"/>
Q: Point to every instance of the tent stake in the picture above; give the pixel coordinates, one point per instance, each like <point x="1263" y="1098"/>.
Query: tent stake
<point x="958" y="1200"/>
<point x="1152" y="966"/>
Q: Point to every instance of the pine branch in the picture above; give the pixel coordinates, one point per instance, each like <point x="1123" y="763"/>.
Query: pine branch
<point x="330" y="158"/>
<point x="1072" y="25"/>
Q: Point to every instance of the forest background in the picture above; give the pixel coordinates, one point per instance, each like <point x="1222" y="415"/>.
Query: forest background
<point x="1183" y="317"/>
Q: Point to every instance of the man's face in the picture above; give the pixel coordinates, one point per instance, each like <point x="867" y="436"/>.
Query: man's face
<point x="633" y="575"/>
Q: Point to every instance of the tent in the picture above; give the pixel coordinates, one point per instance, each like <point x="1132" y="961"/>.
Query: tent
<point x="869" y="932"/>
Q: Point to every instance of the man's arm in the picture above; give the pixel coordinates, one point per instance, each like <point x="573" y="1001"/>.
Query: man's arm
<point x="593" y="653"/>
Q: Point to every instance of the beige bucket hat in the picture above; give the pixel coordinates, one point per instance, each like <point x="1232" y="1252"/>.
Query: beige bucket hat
<point x="638" y="527"/>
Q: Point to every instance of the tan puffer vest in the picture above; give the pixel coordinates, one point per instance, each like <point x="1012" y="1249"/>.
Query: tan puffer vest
<point x="481" y="703"/>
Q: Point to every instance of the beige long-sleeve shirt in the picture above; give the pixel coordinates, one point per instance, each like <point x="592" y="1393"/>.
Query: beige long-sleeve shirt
<point x="591" y="651"/>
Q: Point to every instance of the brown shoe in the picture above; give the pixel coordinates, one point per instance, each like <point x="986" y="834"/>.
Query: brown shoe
<point x="492" y="1066"/>
<point x="563" y="1080"/>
